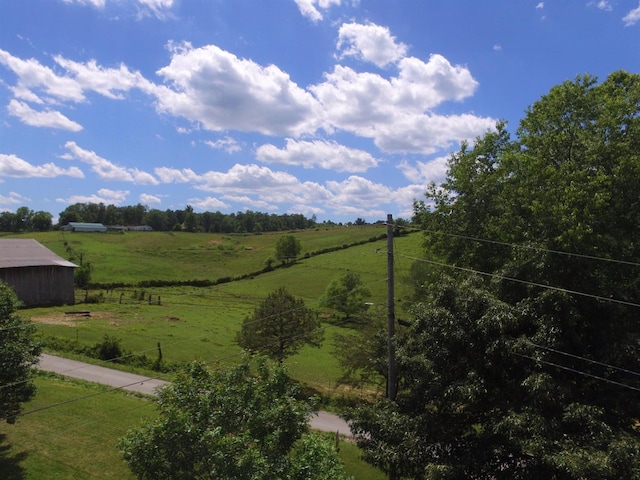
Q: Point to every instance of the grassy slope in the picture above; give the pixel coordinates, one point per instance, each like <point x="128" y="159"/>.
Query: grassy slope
<point x="191" y="323"/>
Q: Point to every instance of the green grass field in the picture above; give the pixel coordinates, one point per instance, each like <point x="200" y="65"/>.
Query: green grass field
<point x="73" y="441"/>
<point x="71" y="429"/>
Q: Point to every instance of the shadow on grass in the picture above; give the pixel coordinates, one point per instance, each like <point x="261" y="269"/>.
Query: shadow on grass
<point x="10" y="468"/>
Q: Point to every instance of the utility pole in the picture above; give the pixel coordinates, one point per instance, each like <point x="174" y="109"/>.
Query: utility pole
<point x="391" y="315"/>
<point x="391" y="319"/>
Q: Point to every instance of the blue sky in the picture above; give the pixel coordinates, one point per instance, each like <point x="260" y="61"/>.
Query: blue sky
<point x="335" y="108"/>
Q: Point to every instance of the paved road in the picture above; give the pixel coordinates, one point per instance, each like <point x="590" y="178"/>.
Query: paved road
<point x="323" y="421"/>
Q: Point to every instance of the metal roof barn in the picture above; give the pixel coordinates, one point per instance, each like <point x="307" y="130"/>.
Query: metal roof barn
<point x="38" y="276"/>
<point x="84" y="227"/>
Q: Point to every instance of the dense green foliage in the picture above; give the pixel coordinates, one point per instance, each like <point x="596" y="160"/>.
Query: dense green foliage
<point x="187" y="219"/>
<point x="25" y="220"/>
<point x="280" y="326"/>
<point x="288" y="247"/>
<point x="347" y="294"/>
<point x="19" y="352"/>
<point x="527" y="370"/>
<point x="237" y="423"/>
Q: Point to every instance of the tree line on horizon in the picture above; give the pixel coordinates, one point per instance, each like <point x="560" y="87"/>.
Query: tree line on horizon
<point x="27" y="220"/>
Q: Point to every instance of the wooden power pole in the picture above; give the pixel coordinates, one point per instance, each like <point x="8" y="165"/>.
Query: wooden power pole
<point x="391" y="315"/>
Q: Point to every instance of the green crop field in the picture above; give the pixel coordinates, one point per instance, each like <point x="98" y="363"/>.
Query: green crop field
<point x="189" y="323"/>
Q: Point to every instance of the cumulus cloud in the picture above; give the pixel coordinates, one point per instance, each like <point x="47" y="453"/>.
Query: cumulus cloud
<point x="33" y="75"/>
<point x="359" y="191"/>
<point x="174" y="175"/>
<point x="434" y="170"/>
<point x="105" y="169"/>
<point x="318" y="153"/>
<point x="604" y="5"/>
<point x="108" y="82"/>
<point x="14" y="166"/>
<point x="46" y="118"/>
<point x="311" y="8"/>
<point x="13" y="199"/>
<point x="247" y="178"/>
<point x="398" y="112"/>
<point x="215" y="88"/>
<point x="632" y="17"/>
<point x="104" y="195"/>
<point x="208" y="204"/>
<point x="71" y="85"/>
<point x="146" y="199"/>
<point x="370" y="42"/>
<point x="228" y="144"/>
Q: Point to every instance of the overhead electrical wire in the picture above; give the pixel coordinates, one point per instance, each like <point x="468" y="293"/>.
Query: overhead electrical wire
<point x="518" y="245"/>
<point x="469" y="270"/>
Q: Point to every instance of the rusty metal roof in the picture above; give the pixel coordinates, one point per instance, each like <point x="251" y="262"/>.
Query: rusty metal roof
<point x="17" y="252"/>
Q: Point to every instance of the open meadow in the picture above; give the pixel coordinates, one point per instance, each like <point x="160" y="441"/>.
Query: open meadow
<point x="189" y="323"/>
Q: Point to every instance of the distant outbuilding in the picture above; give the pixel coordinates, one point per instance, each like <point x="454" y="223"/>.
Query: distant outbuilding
<point x="38" y="276"/>
<point x="84" y="227"/>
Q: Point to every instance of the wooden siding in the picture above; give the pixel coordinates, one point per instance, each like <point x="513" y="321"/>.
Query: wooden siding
<point x="42" y="285"/>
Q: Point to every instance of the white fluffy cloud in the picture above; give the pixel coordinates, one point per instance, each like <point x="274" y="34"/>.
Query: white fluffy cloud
<point x="632" y="17"/>
<point x="46" y="118"/>
<point x="34" y="76"/>
<point x="174" y="175"/>
<point x="104" y="195"/>
<point x="398" y="113"/>
<point x="318" y="153"/>
<point x="105" y="169"/>
<point x="228" y="144"/>
<point x="215" y="88"/>
<point x="146" y="199"/>
<point x="311" y="8"/>
<point x="424" y="172"/>
<point x="360" y="192"/>
<point x="12" y="199"/>
<point x="370" y="42"/>
<point x="14" y="166"/>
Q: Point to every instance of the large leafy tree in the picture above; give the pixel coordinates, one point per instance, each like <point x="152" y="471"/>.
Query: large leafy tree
<point x="347" y="294"/>
<point x="19" y="352"/>
<point x="238" y="423"/>
<point x="531" y="371"/>
<point x="280" y="326"/>
<point x="288" y="247"/>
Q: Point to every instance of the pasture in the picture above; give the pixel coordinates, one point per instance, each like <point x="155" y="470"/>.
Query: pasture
<point x="200" y="323"/>
<point x="77" y="439"/>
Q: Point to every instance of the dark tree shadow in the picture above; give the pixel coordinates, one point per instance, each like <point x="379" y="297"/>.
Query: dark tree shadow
<point x="10" y="468"/>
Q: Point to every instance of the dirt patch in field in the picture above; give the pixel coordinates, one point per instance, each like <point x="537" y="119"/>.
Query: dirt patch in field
<point x="70" y="319"/>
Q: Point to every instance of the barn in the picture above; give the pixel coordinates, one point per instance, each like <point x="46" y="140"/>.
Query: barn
<point x="38" y="276"/>
<point x="84" y="227"/>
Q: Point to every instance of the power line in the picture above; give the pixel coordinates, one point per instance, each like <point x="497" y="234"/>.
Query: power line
<point x="528" y="247"/>
<point x="525" y="282"/>
<point x="577" y="357"/>
<point x="573" y="370"/>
